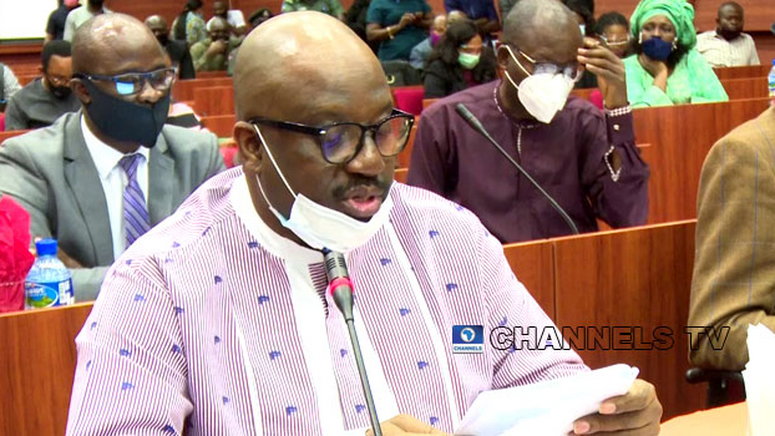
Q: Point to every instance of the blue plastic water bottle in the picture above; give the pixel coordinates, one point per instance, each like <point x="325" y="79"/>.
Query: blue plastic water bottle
<point x="49" y="283"/>
<point x="771" y="80"/>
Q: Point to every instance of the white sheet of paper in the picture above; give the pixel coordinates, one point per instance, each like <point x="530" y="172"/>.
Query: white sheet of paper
<point x="759" y="381"/>
<point x="547" y="408"/>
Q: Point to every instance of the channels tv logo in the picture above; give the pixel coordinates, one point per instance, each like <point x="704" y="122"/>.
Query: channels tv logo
<point x="467" y="339"/>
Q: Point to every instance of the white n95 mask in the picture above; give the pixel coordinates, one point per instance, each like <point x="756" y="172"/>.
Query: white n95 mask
<point x="321" y="227"/>
<point x="542" y="94"/>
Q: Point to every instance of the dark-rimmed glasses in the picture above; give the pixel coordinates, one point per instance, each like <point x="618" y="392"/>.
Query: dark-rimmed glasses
<point x="341" y="142"/>
<point x="132" y="83"/>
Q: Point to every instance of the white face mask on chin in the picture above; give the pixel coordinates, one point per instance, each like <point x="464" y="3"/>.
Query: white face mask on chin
<point x="542" y="94"/>
<point x="321" y="227"/>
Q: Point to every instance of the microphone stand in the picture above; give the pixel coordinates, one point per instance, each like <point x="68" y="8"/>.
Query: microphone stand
<point x="341" y="289"/>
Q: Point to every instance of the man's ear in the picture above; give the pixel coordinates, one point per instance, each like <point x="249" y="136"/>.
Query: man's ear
<point x="251" y="152"/>
<point x="80" y="90"/>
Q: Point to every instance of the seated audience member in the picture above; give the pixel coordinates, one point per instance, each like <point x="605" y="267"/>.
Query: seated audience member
<point x="482" y="12"/>
<point x="9" y="84"/>
<point x="418" y="58"/>
<point x="420" y="52"/>
<point x="78" y="16"/>
<point x="586" y="21"/>
<point x="460" y="60"/>
<point x="330" y="7"/>
<point x="728" y="46"/>
<point x="98" y="179"/>
<point x="177" y="50"/>
<point x="259" y="16"/>
<point x="55" y="26"/>
<point x="584" y="158"/>
<point x="613" y="29"/>
<point x="230" y="274"/>
<point x="190" y="26"/>
<point x="666" y="69"/>
<point x="732" y="284"/>
<point x="234" y="17"/>
<point x="397" y="26"/>
<point x="212" y="54"/>
<point x="46" y="98"/>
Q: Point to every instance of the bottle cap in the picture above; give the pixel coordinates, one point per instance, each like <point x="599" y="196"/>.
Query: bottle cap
<point x="46" y="247"/>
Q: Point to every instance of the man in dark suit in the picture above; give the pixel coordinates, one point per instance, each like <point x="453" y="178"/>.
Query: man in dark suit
<point x="178" y="51"/>
<point x="98" y="179"/>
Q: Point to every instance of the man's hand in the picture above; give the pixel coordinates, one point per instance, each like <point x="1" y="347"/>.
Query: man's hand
<point x="217" y="47"/>
<point x="405" y="425"/>
<point x="406" y="19"/>
<point x="609" y="70"/>
<point x="68" y="261"/>
<point x="638" y="412"/>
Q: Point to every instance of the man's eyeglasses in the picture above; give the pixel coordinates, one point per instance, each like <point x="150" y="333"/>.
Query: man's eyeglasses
<point x="572" y="71"/>
<point x="341" y="142"/>
<point x="132" y="83"/>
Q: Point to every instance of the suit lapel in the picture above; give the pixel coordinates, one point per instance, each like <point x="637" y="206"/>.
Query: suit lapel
<point x="161" y="177"/>
<point x="86" y="190"/>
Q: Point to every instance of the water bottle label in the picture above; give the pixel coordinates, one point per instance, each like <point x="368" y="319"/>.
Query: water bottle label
<point x="48" y="294"/>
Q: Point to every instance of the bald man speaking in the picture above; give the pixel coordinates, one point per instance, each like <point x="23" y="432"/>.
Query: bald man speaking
<point x="218" y="320"/>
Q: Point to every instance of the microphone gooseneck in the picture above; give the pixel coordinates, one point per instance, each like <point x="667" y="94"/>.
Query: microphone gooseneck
<point x="471" y="119"/>
<point x="341" y="289"/>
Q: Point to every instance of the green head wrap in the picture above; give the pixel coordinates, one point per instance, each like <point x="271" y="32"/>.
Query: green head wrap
<point x="679" y="12"/>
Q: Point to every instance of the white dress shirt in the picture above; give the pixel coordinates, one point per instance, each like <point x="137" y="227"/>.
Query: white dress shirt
<point x="114" y="180"/>
<point x="722" y="53"/>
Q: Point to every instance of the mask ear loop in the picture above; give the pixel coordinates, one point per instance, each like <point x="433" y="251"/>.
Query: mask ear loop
<point x="274" y="163"/>
<point x="506" y="71"/>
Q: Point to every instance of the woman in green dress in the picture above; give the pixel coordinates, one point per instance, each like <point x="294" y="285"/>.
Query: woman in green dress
<point x="666" y="68"/>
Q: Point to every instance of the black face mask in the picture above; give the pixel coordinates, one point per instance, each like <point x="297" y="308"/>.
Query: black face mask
<point x="729" y="34"/>
<point x="163" y="39"/>
<point x="125" y="121"/>
<point x="60" y="92"/>
<point x="96" y="4"/>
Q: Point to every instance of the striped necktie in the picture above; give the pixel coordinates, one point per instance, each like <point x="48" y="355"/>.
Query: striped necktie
<point x="136" y="221"/>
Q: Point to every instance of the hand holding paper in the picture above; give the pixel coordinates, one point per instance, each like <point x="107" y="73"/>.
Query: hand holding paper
<point x="552" y="408"/>
<point x="638" y="412"/>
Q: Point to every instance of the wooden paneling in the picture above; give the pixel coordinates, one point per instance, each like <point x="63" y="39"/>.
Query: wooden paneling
<point x="637" y="278"/>
<point x="11" y="134"/>
<point x="680" y="137"/>
<point x="37" y="364"/>
<point x="221" y="125"/>
<point x="183" y="90"/>
<point x="751" y="87"/>
<point x="533" y="264"/>
<point x="216" y="100"/>
<point x="742" y="72"/>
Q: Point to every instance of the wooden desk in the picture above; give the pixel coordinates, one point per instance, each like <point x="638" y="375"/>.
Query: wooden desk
<point x="37" y="364"/>
<point x="638" y="279"/>
<point x="215" y="100"/>
<point x="743" y="72"/>
<point x="729" y="420"/>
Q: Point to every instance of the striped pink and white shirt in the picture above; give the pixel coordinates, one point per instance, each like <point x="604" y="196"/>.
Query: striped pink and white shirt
<point x="214" y="325"/>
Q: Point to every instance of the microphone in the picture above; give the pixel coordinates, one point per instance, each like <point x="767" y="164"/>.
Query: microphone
<point x="341" y="289"/>
<point x="471" y="119"/>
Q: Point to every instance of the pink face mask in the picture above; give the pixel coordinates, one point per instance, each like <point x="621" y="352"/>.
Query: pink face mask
<point x="435" y="38"/>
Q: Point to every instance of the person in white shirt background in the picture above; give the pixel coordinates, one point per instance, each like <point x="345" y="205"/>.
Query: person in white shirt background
<point x="727" y="45"/>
